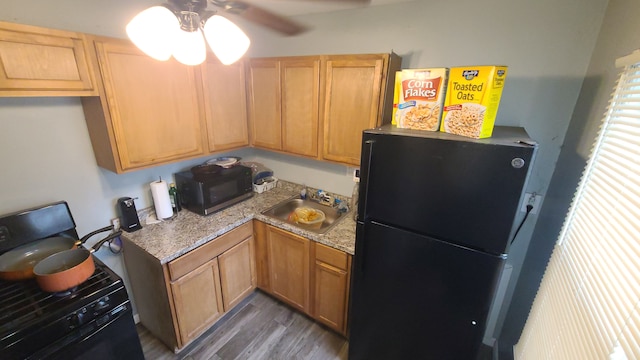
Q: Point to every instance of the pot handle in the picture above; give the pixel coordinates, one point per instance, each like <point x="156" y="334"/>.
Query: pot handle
<point x="112" y="236"/>
<point x="86" y="237"/>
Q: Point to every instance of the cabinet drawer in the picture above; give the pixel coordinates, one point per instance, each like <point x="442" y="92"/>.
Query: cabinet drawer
<point x="331" y="256"/>
<point x="195" y="258"/>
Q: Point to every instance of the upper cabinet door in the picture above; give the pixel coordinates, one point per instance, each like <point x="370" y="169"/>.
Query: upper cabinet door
<point x="225" y="101"/>
<point x="300" y="102"/>
<point x="264" y="103"/>
<point x="36" y="61"/>
<point x="351" y="104"/>
<point x="153" y="106"/>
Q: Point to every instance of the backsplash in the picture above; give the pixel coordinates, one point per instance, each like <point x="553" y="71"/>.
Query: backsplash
<point x="310" y="190"/>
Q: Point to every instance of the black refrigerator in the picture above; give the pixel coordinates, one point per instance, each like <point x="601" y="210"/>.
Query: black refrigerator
<point x="436" y="215"/>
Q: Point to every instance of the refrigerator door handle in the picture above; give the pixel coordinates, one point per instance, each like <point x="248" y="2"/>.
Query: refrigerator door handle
<point x="365" y="185"/>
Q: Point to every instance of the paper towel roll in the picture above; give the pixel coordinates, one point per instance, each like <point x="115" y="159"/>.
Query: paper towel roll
<point x="161" y="200"/>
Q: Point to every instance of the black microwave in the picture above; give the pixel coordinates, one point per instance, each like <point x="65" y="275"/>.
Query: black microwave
<point x="205" y="195"/>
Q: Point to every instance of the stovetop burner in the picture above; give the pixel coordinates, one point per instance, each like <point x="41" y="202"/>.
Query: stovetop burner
<point x="22" y="302"/>
<point x="69" y="293"/>
<point x="31" y="318"/>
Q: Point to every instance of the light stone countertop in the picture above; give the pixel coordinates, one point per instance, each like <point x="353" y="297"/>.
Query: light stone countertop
<point x="174" y="237"/>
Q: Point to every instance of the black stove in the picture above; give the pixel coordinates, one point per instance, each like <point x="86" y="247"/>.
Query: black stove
<point x="93" y="320"/>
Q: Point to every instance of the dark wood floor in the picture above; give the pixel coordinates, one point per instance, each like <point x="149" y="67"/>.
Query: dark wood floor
<point x="262" y="328"/>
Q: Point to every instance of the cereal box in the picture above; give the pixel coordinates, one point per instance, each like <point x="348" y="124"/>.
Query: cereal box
<point x="420" y="95"/>
<point x="472" y="100"/>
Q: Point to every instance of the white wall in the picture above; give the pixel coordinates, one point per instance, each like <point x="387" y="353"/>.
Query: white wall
<point x="618" y="37"/>
<point x="547" y="45"/>
<point x="46" y="156"/>
<point x="318" y="174"/>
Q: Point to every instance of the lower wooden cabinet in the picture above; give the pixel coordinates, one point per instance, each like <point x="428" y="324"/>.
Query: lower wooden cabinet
<point x="288" y="257"/>
<point x="309" y="276"/>
<point x="197" y="300"/>
<point x="180" y="300"/>
<point x="237" y="273"/>
<point x="331" y="287"/>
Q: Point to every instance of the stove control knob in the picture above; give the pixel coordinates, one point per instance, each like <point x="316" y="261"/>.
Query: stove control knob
<point x="102" y="304"/>
<point x="76" y="319"/>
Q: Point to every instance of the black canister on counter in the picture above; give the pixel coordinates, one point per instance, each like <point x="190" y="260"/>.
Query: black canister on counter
<point x="175" y="198"/>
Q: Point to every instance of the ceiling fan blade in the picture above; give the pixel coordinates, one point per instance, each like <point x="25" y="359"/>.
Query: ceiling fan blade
<point x="261" y="16"/>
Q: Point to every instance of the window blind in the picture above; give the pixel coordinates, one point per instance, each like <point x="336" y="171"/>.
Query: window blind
<point x="588" y="304"/>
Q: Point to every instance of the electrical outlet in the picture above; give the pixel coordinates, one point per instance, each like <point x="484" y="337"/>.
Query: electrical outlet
<point x="532" y="199"/>
<point x="116" y="223"/>
<point x="354" y="173"/>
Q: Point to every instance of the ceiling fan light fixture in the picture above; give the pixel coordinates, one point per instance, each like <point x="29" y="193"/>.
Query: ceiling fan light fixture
<point x="189" y="47"/>
<point x="227" y="41"/>
<point x="153" y="31"/>
<point x="180" y="27"/>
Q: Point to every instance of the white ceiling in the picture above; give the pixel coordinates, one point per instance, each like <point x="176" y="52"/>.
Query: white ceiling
<point x="301" y="7"/>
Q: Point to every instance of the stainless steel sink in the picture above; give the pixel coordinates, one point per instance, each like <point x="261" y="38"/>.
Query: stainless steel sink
<point x="281" y="211"/>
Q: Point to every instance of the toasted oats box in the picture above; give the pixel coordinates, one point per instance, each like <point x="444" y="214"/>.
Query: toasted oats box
<point x="473" y="97"/>
<point x="420" y="94"/>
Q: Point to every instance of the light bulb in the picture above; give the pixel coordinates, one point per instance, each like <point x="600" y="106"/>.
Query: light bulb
<point x="153" y="31"/>
<point x="189" y="47"/>
<point x="227" y="41"/>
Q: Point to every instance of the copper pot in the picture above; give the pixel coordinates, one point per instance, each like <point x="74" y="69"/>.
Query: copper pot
<point x="18" y="263"/>
<point x="67" y="269"/>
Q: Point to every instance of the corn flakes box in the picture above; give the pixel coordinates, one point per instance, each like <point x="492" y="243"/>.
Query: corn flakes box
<point x="420" y="96"/>
<point x="472" y="100"/>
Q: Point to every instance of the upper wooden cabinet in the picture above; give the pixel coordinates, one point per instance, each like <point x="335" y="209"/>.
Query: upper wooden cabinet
<point x="358" y="95"/>
<point x="36" y="61"/>
<point x="225" y="102"/>
<point x="148" y="112"/>
<point x="298" y="103"/>
<point x="284" y="104"/>
<point x="264" y="103"/>
<point x="300" y="86"/>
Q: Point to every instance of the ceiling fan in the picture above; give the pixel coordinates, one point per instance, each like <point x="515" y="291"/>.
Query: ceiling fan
<point x="263" y="17"/>
<point x="179" y="28"/>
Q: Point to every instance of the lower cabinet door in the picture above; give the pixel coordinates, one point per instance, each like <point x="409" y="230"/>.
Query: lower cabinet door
<point x="197" y="300"/>
<point x="289" y="267"/>
<point x="237" y="273"/>
<point x="331" y="295"/>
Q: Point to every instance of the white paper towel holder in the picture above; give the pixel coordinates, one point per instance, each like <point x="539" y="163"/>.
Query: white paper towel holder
<point x="161" y="200"/>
